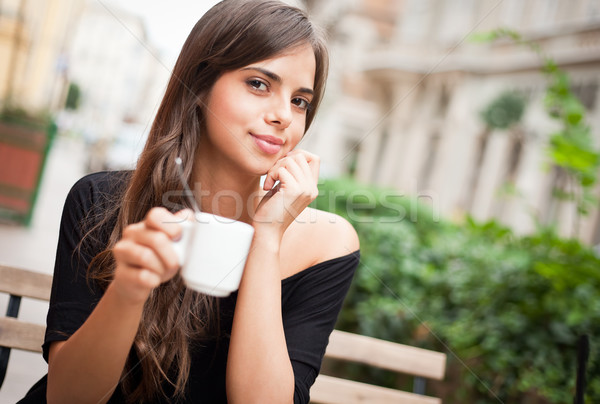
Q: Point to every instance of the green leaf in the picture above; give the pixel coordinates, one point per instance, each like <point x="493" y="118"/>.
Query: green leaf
<point x="504" y="111"/>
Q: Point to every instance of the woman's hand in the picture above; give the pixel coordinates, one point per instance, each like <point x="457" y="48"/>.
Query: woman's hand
<point x="298" y="174"/>
<point x="144" y="256"/>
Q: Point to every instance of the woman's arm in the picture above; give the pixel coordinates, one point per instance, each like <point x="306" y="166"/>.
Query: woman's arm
<point x="258" y="367"/>
<point x="87" y="367"/>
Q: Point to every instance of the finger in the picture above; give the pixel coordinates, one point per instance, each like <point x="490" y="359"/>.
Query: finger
<point x="144" y="278"/>
<point x="271" y="176"/>
<point x="159" y="218"/>
<point x="313" y="161"/>
<point x="161" y="245"/>
<point x="139" y="278"/>
<point x="186" y="214"/>
<point x="314" y="165"/>
<point x="132" y="254"/>
<point x="308" y="155"/>
<point x="131" y="230"/>
<point x="300" y="159"/>
<point x="149" y="278"/>
<point x="294" y="168"/>
<point x="269" y="181"/>
<point x="310" y="178"/>
<point x="285" y="177"/>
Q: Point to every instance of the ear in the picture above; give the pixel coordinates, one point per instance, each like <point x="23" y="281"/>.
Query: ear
<point x="201" y="102"/>
<point x="202" y="99"/>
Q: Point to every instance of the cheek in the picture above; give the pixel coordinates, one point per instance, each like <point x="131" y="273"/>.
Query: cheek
<point x="236" y="108"/>
<point x="219" y="107"/>
<point x="297" y="136"/>
<point x="223" y="101"/>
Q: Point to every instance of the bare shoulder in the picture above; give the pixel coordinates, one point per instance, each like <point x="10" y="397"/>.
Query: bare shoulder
<point x="335" y="233"/>
<point x="317" y="236"/>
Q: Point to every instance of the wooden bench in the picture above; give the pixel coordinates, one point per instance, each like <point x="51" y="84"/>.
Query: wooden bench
<point x="15" y="333"/>
<point x="421" y="363"/>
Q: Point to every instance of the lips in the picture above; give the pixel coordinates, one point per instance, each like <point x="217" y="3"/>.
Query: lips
<point x="268" y="144"/>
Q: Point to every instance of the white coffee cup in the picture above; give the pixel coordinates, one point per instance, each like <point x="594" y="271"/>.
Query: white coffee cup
<point x="212" y="251"/>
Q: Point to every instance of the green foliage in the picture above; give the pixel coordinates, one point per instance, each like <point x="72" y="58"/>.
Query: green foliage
<point x="571" y="147"/>
<point x="358" y="204"/>
<point x="509" y="307"/>
<point x="504" y="111"/>
<point x="19" y="116"/>
<point x="73" y="97"/>
<point x="495" y="35"/>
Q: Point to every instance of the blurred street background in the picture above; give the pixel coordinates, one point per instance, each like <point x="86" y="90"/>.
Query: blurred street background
<point x="479" y="120"/>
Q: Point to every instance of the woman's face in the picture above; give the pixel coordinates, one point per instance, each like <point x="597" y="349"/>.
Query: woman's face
<point x="256" y="114"/>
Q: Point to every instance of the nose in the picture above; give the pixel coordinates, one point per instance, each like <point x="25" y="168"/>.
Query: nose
<point x="279" y="114"/>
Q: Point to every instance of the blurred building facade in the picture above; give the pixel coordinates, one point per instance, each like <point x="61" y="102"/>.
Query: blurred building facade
<point x="407" y="88"/>
<point x="116" y="67"/>
<point x="34" y="38"/>
<point x="48" y="46"/>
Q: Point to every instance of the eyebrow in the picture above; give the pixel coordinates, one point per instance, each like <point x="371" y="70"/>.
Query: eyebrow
<point x="277" y="78"/>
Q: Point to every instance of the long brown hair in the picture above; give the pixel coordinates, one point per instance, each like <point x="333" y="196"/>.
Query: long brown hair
<point x="231" y="35"/>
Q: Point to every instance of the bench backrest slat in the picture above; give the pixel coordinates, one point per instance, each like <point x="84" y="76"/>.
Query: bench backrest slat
<point x="21" y="282"/>
<point x="386" y="355"/>
<point x="21" y="335"/>
<point x="329" y="389"/>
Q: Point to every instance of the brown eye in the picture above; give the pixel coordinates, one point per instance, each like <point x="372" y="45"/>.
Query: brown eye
<point x="301" y="103"/>
<point x="257" y="84"/>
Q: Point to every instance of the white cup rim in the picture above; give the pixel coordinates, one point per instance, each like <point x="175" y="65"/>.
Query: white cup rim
<point x="201" y="218"/>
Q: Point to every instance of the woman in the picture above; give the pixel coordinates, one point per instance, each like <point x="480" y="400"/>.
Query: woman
<point x="122" y="326"/>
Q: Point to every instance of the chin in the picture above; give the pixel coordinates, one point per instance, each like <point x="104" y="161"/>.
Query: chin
<point x="261" y="168"/>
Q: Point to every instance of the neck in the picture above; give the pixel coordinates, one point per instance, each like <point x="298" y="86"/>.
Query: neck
<point x="223" y="190"/>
